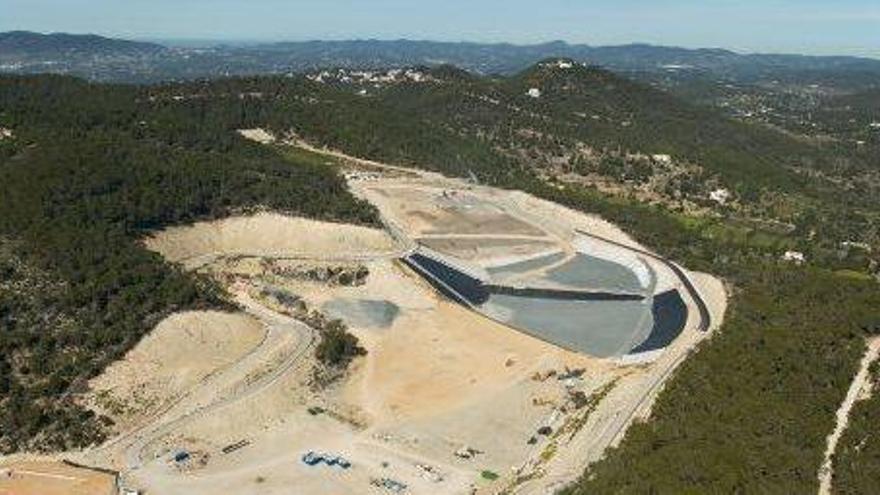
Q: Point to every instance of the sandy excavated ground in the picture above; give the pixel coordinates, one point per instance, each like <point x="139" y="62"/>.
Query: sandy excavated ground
<point x="428" y="209"/>
<point x="439" y="378"/>
<point x="261" y="136"/>
<point x="178" y="354"/>
<point x="266" y="234"/>
<point x="436" y="357"/>
<point x="714" y="293"/>
<point x="38" y="477"/>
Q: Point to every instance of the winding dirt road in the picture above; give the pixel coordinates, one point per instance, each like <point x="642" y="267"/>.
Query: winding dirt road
<point x="277" y="324"/>
<point x="286" y="336"/>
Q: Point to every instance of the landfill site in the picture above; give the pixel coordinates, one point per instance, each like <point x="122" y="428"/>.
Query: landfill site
<point x="508" y="342"/>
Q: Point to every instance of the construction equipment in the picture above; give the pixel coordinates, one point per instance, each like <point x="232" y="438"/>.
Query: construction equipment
<point x="389" y="484"/>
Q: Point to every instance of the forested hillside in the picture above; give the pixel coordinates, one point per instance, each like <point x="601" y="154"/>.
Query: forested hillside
<point x="590" y="128"/>
<point x="95" y="168"/>
<point x="25" y="45"/>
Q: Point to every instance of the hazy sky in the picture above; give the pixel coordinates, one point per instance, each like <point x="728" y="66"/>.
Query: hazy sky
<point x="803" y="26"/>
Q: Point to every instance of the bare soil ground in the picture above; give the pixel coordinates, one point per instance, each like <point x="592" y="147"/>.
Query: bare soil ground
<point x="53" y="478"/>
<point x="431" y="209"/>
<point x="180" y="352"/>
<point x="261" y="136"/>
<point x="266" y="234"/>
<point x="429" y="385"/>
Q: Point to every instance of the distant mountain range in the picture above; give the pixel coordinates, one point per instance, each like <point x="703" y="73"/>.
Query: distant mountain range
<point x="507" y="58"/>
<point x="102" y="58"/>
<point x="25" y="47"/>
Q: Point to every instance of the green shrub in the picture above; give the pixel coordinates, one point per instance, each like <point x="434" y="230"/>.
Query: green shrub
<point x="337" y="346"/>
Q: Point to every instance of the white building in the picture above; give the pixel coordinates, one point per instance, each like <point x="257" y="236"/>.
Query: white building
<point x="720" y="196"/>
<point x="534" y="93"/>
<point x="415" y="76"/>
<point x="795" y="257"/>
<point x="664" y="159"/>
<point x="864" y="246"/>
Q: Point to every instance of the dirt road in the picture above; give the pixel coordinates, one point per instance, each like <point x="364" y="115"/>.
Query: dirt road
<point x="277" y="323"/>
<point x="859" y="383"/>
<point x="291" y="338"/>
<point x="631" y="398"/>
